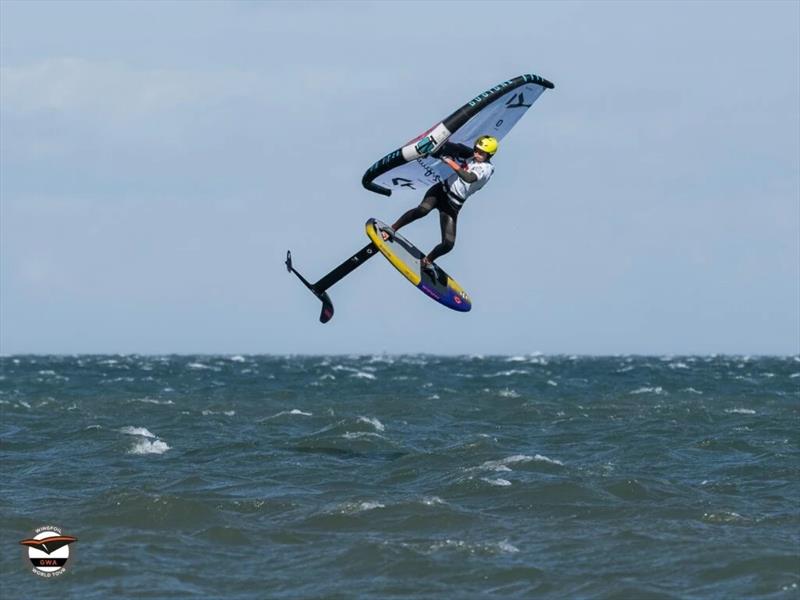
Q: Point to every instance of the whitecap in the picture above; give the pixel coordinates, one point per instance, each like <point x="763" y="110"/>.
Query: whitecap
<point x="142" y="431"/>
<point x="504" y="546"/>
<point x="363" y="375"/>
<point x="649" y="390"/>
<point x="357" y="507"/>
<point x="515" y="459"/>
<point x="149" y="447"/>
<point x="432" y="501"/>
<point x="199" y="366"/>
<point x="238" y="359"/>
<point x="501" y="465"/>
<point x="448" y="544"/>
<point x="679" y="365"/>
<point x="382" y="359"/>
<point x="509" y="373"/>
<point x="472" y="548"/>
<point x="497" y="482"/>
<point x="691" y="390"/>
<point x="552" y="461"/>
<point x="508" y="393"/>
<point x="551" y="382"/>
<point x="294" y="411"/>
<point x="354" y="435"/>
<point x="740" y="411"/>
<point x="723" y="517"/>
<point x="372" y="421"/>
<point x="497" y="468"/>
<point x="227" y="413"/>
<point x="153" y="401"/>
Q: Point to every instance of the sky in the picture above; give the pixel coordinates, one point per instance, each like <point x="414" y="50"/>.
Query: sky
<point x="157" y="160"/>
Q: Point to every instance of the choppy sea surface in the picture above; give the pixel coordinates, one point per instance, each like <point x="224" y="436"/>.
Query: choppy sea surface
<point x="403" y="476"/>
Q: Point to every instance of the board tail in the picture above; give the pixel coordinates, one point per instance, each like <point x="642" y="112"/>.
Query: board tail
<point x="327" y="306"/>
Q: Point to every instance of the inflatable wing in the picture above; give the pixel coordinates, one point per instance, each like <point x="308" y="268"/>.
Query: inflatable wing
<point x="494" y="112"/>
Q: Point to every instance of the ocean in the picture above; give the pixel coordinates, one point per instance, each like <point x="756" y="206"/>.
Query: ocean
<point x="407" y="477"/>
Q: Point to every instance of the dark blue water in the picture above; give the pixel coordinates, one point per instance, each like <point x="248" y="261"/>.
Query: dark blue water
<point x="404" y="477"/>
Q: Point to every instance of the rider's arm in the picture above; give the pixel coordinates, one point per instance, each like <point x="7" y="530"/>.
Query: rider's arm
<point x="453" y="149"/>
<point x="463" y="174"/>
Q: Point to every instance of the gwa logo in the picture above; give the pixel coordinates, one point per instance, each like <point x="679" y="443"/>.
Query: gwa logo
<point x="48" y="551"/>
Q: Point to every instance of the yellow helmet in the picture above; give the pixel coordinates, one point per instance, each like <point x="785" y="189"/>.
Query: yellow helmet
<point x="487" y="144"/>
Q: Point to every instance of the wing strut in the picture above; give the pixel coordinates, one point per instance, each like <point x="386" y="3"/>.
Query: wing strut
<point x="319" y="289"/>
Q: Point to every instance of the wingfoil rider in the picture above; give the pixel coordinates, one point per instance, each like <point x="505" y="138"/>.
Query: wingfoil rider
<point x="448" y="197"/>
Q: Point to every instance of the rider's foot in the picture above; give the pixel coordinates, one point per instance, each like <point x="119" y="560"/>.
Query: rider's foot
<point x="387" y="233"/>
